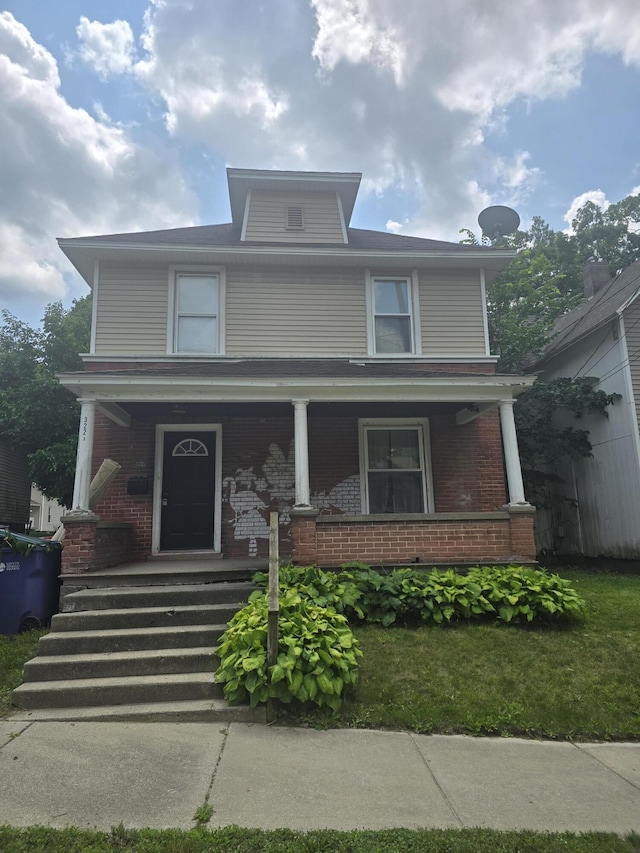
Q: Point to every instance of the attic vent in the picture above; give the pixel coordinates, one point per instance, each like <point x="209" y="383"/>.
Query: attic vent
<point x="295" y="217"/>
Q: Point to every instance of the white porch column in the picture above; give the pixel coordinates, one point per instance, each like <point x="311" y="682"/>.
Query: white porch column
<point x="511" y="454"/>
<point x="301" y="452"/>
<point x="83" y="459"/>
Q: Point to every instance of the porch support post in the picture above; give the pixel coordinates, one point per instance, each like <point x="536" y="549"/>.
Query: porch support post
<point x="303" y="495"/>
<point x="83" y="459"/>
<point x="511" y="454"/>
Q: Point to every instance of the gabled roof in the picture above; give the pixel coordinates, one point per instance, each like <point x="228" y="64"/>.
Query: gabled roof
<point x="220" y="244"/>
<point x="595" y="312"/>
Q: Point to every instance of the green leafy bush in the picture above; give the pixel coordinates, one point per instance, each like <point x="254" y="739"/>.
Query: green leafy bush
<point x="499" y="593"/>
<point x="325" y="588"/>
<point x="317" y="654"/>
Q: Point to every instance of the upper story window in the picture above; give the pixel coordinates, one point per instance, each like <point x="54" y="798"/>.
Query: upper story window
<point x="197" y="313"/>
<point x="393" y="315"/>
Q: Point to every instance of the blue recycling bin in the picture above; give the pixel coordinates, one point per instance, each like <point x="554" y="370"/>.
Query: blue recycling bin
<point x="29" y="582"/>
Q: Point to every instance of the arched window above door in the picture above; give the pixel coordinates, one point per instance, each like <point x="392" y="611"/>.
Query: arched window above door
<point x="190" y="447"/>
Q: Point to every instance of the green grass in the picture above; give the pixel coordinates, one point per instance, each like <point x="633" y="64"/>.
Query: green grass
<point x="14" y="651"/>
<point x="235" y="840"/>
<point x="580" y="682"/>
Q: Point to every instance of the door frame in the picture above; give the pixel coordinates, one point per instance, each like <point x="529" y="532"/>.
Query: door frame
<point x="161" y="431"/>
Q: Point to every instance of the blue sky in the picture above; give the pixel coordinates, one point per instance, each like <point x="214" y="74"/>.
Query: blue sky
<point x="122" y="115"/>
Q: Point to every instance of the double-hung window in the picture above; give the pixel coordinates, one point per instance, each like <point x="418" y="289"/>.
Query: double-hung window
<point x="395" y="471"/>
<point x="393" y="311"/>
<point x="197" y="308"/>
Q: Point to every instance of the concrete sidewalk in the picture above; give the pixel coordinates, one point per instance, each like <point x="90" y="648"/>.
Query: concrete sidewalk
<point x="157" y="774"/>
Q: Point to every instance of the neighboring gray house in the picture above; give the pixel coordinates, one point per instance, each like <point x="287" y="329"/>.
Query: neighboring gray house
<point x="600" y="338"/>
<point x="15" y="487"/>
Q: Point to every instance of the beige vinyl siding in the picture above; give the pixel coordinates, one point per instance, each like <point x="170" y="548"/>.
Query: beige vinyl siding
<point x="631" y="319"/>
<point x="283" y="312"/>
<point x="267" y="218"/>
<point x="132" y="311"/>
<point x="451" y="316"/>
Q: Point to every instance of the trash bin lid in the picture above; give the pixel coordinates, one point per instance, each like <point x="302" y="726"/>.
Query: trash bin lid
<point x="29" y="540"/>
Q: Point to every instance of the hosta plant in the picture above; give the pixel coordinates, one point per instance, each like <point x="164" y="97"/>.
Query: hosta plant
<point x="317" y="654"/>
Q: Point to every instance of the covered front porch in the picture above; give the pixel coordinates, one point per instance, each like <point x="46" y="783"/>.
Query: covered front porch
<point x="420" y="467"/>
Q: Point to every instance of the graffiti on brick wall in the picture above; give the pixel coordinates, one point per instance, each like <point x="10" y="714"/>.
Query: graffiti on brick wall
<point x="252" y="495"/>
<point x="345" y="497"/>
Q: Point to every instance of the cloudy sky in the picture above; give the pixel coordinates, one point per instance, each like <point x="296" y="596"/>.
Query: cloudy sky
<point x="122" y="115"/>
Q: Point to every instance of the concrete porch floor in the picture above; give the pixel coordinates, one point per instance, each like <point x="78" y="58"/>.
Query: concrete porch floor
<point x="178" y="565"/>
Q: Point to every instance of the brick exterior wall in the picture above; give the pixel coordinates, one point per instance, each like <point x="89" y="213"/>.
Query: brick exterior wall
<point x="466" y="460"/>
<point x="413" y="541"/>
<point x="90" y="544"/>
<point x="258" y="477"/>
<point x="522" y="537"/>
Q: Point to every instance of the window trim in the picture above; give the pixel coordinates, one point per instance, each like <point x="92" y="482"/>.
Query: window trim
<point x="172" y="308"/>
<point x="414" y="313"/>
<point x="424" y="444"/>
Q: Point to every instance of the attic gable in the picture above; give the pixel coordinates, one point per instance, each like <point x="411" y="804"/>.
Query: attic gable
<point x="292" y="207"/>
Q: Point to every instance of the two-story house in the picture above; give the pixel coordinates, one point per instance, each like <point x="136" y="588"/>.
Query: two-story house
<point x="286" y="361"/>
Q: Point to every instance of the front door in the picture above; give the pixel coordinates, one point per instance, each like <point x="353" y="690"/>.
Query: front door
<point x="188" y="491"/>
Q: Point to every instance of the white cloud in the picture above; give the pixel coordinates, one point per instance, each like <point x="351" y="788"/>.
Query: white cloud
<point x="404" y="92"/>
<point x="597" y="197"/>
<point x="394" y="227"/>
<point x="66" y="173"/>
<point x="347" y="31"/>
<point x="107" y="48"/>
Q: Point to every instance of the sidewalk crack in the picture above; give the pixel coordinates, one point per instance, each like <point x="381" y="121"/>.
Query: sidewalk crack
<point x="436" y="782"/>
<point x="225" y="735"/>
<point x="14" y="735"/>
<point x="582" y="748"/>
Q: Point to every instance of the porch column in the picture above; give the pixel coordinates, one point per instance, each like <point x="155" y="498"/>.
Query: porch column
<point x="511" y="454"/>
<point x="83" y="459"/>
<point x="303" y="495"/>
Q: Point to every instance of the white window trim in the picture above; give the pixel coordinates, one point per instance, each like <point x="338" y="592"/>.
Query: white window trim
<point x="172" y="326"/>
<point x="422" y="424"/>
<point x="161" y="429"/>
<point x="416" y="337"/>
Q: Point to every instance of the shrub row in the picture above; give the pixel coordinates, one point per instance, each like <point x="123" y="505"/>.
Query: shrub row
<point x="500" y="593"/>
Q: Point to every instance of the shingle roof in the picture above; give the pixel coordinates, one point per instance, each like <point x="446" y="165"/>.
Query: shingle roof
<point x="228" y="234"/>
<point x="595" y="312"/>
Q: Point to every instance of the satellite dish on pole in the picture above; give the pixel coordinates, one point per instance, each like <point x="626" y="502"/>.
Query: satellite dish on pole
<point x="498" y="221"/>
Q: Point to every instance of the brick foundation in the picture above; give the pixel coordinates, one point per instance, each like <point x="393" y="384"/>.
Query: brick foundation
<point x="91" y="544"/>
<point x="522" y="536"/>
<point x="439" y="538"/>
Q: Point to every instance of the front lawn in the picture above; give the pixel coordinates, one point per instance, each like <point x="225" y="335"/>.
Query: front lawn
<point x="14" y="652"/>
<point x="233" y="839"/>
<point x="579" y="682"/>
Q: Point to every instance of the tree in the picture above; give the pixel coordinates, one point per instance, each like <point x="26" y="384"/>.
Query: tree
<point x="36" y="412"/>
<point x="542" y="283"/>
<point x="543" y="443"/>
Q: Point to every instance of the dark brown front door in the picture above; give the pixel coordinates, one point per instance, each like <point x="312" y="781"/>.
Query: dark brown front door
<point x="188" y="491"/>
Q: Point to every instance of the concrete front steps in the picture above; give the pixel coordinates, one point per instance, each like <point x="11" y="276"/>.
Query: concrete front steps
<point x="136" y="646"/>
